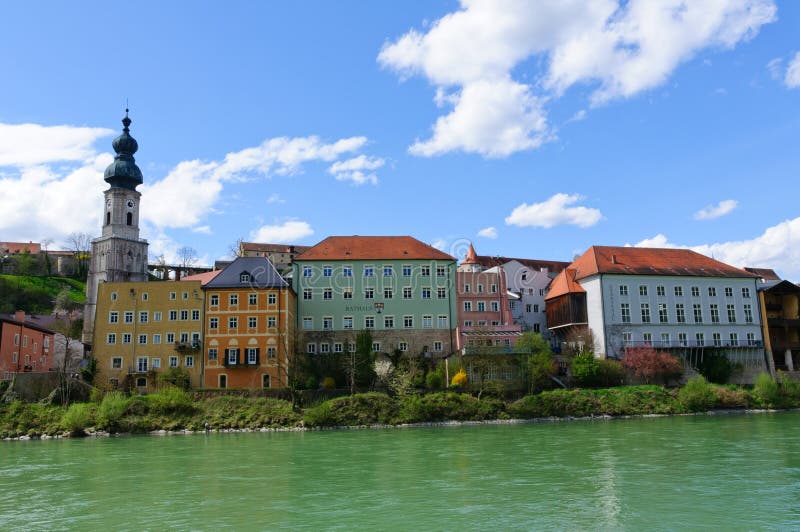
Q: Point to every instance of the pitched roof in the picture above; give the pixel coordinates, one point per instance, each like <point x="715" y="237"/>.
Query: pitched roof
<point x="30" y="322"/>
<point x="204" y="277"/>
<point x="262" y="274"/>
<point x="767" y="274"/>
<point x="651" y="261"/>
<point x="564" y="283"/>
<point x="274" y="248"/>
<point x="555" y="266"/>
<point x="373" y="248"/>
<point x="18" y="248"/>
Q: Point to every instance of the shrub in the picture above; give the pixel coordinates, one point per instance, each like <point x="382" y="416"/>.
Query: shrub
<point x="434" y="380"/>
<point x="77" y="418"/>
<point x="541" y="368"/>
<point x="243" y="412"/>
<point x="649" y="364"/>
<point x="766" y="391"/>
<point x="111" y="410"/>
<point x="443" y="406"/>
<point x="585" y="369"/>
<point x="611" y="373"/>
<point x="460" y="379"/>
<point x="697" y="395"/>
<point x="96" y="395"/>
<point x="171" y="400"/>
<point x="715" y="367"/>
<point x="359" y="409"/>
<point x="177" y="377"/>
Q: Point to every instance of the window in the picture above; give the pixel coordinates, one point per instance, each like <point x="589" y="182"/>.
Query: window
<point x="493" y="288"/>
<point x="541" y="291"/>
<point x="272" y="321"/>
<point x="156" y="338"/>
<point x="660" y="291"/>
<point x="223" y="381"/>
<point x="252" y="322"/>
<point x="712" y="291"/>
<point x="145" y="297"/>
<point x="426" y="293"/>
<point x="748" y="314"/>
<point x="682" y="341"/>
<point x="306" y="271"/>
<point x="233" y="299"/>
<point x="481" y="306"/>
<point x="324" y="348"/>
<point x="536" y="327"/>
<point x="407" y="293"/>
<point x="143" y="315"/>
<point x="425" y="271"/>
<point x="642" y="290"/>
<point x="233" y="322"/>
<point x="213" y="323"/>
<point x="213" y="300"/>
<point x="347" y="322"/>
<point x="308" y="323"/>
<point x="512" y="305"/>
<point x="327" y="271"/>
<point x="536" y="307"/>
<point x="388" y="271"/>
<point x="337" y="347"/>
<point x="327" y="323"/>
<point x="745" y="292"/>
<point x="731" y="314"/>
<point x="369" y="293"/>
<point x="647" y="338"/>
<point x="480" y="288"/>
<point x="113" y="296"/>
<point x="376" y="347"/>
<point x="157" y="315"/>
<point x="185" y="295"/>
<point x="494" y="306"/>
<point x="441" y="271"/>
<point x="184" y="315"/>
<point x="126" y="338"/>
<point x="678" y="291"/>
<point x="111" y="338"/>
<point x="327" y="294"/>
<point x="195" y="315"/>
<point x="645" y="312"/>
<point x="441" y="321"/>
<point x="252" y="355"/>
<point x="184" y="337"/>
<point x="347" y="271"/>
<point x="695" y="291"/>
<point x="369" y="271"/>
<point x="307" y="294"/>
<point x="700" y="339"/>
<point x="142" y="339"/>
<point x="311" y="348"/>
<point x="272" y="299"/>
<point x="679" y="313"/>
<point x="141" y="382"/>
<point x="441" y="293"/>
<point x="388" y="293"/>
<point x="437" y="346"/>
<point x="623" y="290"/>
<point x="408" y="322"/>
<point x="402" y="346"/>
<point x="714" y="313"/>
<point x="734" y="338"/>
<point x="265" y="381"/>
<point x="128" y="316"/>
<point x="244" y="277"/>
<point x="188" y="361"/>
<point x="252" y="299"/>
<point x="212" y="354"/>
<point x="369" y="322"/>
<point x="116" y="363"/>
<point x="347" y="293"/>
<point x="271" y="352"/>
<point x="406" y="270"/>
<point x="625" y="312"/>
<point x="467" y="288"/>
<point x="170" y="338"/>
<point x="751" y="339"/>
<point x="427" y="322"/>
<point x="232" y="356"/>
<point x="663" y="317"/>
<point x="665" y="341"/>
<point x="627" y="339"/>
<point x="141" y="364"/>
<point x="728" y="291"/>
<point x="172" y="296"/>
<point x="388" y="322"/>
<point x="467" y="306"/>
<point x="717" y="338"/>
<point x="697" y="311"/>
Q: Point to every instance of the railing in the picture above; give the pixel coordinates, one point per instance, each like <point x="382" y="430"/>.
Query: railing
<point x="662" y="344"/>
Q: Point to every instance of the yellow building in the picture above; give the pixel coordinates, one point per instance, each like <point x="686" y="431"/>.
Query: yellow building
<point x="143" y="329"/>
<point x="249" y="326"/>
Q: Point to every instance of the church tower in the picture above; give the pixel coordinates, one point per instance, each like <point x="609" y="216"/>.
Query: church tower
<point x="119" y="254"/>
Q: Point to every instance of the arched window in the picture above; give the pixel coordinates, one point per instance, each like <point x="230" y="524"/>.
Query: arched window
<point x="130" y="218"/>
<point x="108" y="217"/>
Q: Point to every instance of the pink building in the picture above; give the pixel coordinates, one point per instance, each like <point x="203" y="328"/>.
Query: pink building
<point x="24" y="347"/>
<point x="484" y="313"/>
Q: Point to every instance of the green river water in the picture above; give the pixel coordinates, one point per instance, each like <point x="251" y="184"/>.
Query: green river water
<point x="725" y="472"/>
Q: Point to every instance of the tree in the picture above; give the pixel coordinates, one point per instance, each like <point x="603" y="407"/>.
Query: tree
<point x="540" y="364"/>
<point x="81" y="246"/>
<point x="578" y="341"/>
<point x="235" y="249"/>
<point x="359" y="364"/>
<point x="649" y="364"/>
<point x="70" y="328"/>
<point x="187" y="257"/>
<point x="48" y="264"/>
<point x="585" y="369"/>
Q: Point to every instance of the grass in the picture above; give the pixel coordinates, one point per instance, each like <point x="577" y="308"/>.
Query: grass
<point x="35" y="294"/>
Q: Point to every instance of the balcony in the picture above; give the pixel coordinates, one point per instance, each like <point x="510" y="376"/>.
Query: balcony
<point x="194" y="345"/>
<point x="656" y="344"/>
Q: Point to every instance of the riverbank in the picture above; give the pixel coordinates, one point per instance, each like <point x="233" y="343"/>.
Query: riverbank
<point x="177" y="411"/>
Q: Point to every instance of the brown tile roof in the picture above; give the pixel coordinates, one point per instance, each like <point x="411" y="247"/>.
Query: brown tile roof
<point x="564" y="283"/>
<point x="651" y="261"/>
<point x="273" y="248"/>
<point x="204" y="277"/>
<point x="764" y="273"/>
<point x="373" y="248"/>
<point x="18" y="248"/>
<point x="555" y="266"/>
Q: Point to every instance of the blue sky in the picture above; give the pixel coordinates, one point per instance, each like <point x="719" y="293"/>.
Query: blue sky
<point x="530" y="131"/>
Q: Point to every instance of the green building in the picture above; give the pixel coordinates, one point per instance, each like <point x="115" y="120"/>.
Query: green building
<point x="399" y="288"/>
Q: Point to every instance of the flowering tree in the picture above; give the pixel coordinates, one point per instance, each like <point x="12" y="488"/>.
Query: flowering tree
<point x="650" y="364"/>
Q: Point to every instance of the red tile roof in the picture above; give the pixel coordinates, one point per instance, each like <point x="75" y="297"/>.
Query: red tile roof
<point x="564" y="283"/>
<point x="765" y="273"/>
<point x="373" y="248"/>
<point x="204" y="277"/>
<point x="651" y="261"/>
<point x="18" y="248"/>
<point x="555" y="266"/>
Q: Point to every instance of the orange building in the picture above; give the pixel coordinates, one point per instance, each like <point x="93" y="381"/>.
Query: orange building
<point x="23" y="346"/>
<point x="249" y="326"/>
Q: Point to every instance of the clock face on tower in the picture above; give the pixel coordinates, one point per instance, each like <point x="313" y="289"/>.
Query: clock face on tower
<point x="130" y="204"/>
<point x="108" y="203"/>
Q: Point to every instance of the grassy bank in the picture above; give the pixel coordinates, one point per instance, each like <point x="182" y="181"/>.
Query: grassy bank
<point x="35" y="294"/>
<point x="175" y="409"/>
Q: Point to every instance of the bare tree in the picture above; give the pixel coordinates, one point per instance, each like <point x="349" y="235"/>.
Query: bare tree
<point x="48" y="264"/>
<point x="235" y="249"/>
<point x="81" y="247"/>
<point x="187" y="256"/>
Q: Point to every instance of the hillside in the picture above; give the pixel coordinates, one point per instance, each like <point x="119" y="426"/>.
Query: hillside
<point x="35" y="294"/>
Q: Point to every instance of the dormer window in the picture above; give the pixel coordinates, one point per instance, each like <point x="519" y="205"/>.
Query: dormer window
<point x="244" y="277"/>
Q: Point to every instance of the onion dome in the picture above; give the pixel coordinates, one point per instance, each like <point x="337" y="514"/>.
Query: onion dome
<point x="123" y="172"/>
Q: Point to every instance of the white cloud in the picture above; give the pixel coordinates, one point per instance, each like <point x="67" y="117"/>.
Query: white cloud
<point x="618" y="48"/>
<point x="285" y="233"/>
<point x="778" y="247"/>
<point x="275" y="198"/>
<point x="357" y="169"/>
<point x="554" y="211"/>
<point x="775" y="68"/>
<point x="489" y="232"/>
<point x="711" y="212"/>
<point x="203" y="229"/>
<point x="792" y="78"/>
<point x="439" y="244"/>
<point x="23" y="145"/>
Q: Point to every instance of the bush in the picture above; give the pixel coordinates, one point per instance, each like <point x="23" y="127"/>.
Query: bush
<point x="766" y="391"/>
<point x="96" y="395"/>
<point x="459" y="379"/>
<point x="650" y="365"/>
<point x="177" y="377"/>
<point x="715" y="367"/>
<point x="697" y="395"/>
<point x="611" y="373"/>
<point x="624" y="400"/>
<point x="111" y="410"/>
<point x="359" y="409"/>
<point x="78" y="418"/>
<point x="171" y="400"/>
<point x="434" y="380"/>
<point x="585" y="369"/>
<point x="243" y="412"/>
<point x="444" y="406"/>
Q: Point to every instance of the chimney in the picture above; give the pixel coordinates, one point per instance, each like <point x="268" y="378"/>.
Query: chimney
<point x="613" y="259"/>
<point x="19" y="316"/>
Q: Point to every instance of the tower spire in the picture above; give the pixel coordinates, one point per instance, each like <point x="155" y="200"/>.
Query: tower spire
<point x="123" y="172"/>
